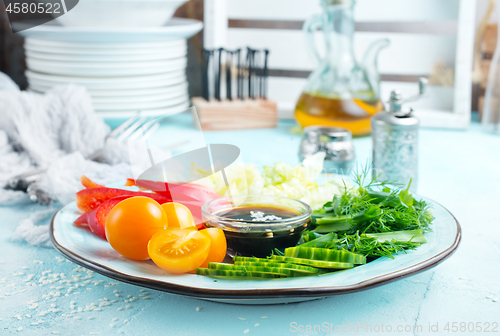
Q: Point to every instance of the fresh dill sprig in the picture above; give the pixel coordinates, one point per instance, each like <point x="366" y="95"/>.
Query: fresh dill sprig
<point x="362" y="244"/>
<point x="374" y="182"/>
<point x="372" y="248"/>
<point x="277" y="252"/>
<point x="371" y="206"/>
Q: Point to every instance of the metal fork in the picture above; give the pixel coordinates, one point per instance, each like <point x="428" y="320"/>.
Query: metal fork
<point x="133" y="128"/>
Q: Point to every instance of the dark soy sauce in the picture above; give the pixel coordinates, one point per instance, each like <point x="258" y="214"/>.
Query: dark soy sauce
<point x="262" y="244"/>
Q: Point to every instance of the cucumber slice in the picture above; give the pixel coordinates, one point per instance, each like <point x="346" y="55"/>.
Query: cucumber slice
<point x="314" y="263"/>
<point x="359" y="259"/>
<point x="236" y="274"/>
<point x="252" y="269"/>
<point x="335" y="227"/>
<point x="324" y="254"/>
<point x="415" y="236"/>
<point x="252" y="259"/>
<point x="295" y="268"/>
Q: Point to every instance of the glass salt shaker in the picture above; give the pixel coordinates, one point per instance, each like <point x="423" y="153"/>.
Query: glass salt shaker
<point x="337" y="144"/>
<point x="395" y="141"/>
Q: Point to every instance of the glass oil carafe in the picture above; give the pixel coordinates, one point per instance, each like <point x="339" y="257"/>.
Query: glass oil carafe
<point x="339" y="92"/>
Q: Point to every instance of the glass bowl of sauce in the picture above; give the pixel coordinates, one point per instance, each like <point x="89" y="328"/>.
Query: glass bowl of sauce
<point x="256" y="225"/>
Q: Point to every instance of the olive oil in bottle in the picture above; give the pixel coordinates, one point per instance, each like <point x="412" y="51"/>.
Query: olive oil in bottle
<point x="351" y="114"/>
<point x="340" y="91"/>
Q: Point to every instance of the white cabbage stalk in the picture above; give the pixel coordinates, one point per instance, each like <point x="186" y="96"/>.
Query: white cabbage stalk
<point x="281" y="179"/>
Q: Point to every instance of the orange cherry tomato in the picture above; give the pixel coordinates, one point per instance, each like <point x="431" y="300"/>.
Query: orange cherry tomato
<point x="178" y="250"/>
<point x="131" y="224"/>
<point x="218" y="245"/>
<point x="178" y="215"/>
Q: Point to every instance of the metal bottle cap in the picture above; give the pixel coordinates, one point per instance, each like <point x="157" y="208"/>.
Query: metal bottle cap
<point x="395" y="118"/>
<point x="395" y="121"/>
<point x="329" y="134"/>
<point x="337" y="2"/>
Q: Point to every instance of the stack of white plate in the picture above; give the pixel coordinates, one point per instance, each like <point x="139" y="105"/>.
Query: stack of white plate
<point x="145" y="71"/>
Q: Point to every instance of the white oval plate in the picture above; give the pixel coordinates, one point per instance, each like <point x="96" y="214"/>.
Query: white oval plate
<point x="165" y="54"/>
<point x="109" y="83"/>
<point x="90" y="251"/>
<point x="105" y="69"/>
<point x="174" y="29"/>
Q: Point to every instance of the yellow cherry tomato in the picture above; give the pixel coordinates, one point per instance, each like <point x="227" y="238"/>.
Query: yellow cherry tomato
<point x="177" y="250"/>
<point x="131" y="224"/>
<point x="218" y="245"/>
<point x="178" y="215"/>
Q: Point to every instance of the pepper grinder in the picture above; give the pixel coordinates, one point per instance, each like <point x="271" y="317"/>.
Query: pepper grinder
<point x="395" y="141"/>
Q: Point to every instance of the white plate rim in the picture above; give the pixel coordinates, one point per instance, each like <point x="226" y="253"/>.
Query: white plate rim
<point x="157" y="112"/>
<point x="178" y="63"/>
<point x="175" y="28"/>
<point x="105" y="81"/>
<point x="140" y="98"/>
<point x="102" y="47"/>
<point x="116" y="85"/>
<point x="104" y="71"/>
<point x="177" y="52"/>
<point x="125" y="92"/>
<point x="174" y="24"/>
<point x="141" y="105"/>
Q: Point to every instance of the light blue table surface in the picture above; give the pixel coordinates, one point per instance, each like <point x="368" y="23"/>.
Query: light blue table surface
<point x="459" y="169"/>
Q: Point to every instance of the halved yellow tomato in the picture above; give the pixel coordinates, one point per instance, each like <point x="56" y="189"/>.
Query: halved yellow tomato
<point x="218" y="245"/>
<point x="178" y="215"/>
<point x="179" y="250"/>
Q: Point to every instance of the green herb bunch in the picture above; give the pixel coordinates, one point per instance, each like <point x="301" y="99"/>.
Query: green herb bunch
<point x="374" y="218"/>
